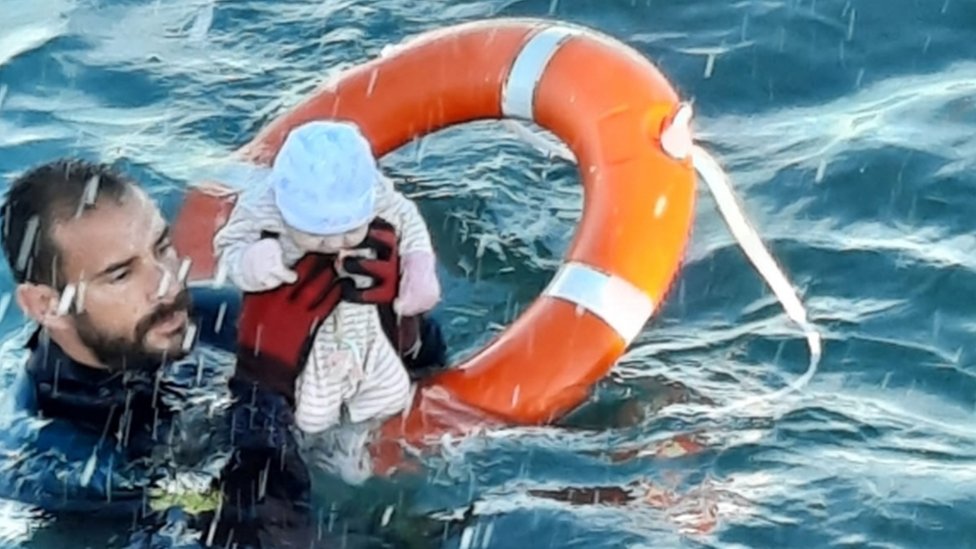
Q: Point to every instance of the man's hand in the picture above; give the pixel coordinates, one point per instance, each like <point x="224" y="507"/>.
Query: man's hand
<point x="382" y="266"/>
<point x="263" y="267"/>
<point x="277" y="327"/>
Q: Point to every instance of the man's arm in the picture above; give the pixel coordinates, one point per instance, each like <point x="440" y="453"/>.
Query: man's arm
<point x="57" y="469"/>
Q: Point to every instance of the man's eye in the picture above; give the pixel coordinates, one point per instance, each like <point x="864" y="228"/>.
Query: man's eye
<point x="166" y="247"/>
<point x="119" y="275"/>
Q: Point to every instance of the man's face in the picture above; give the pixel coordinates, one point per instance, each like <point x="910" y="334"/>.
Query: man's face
<point x="130" y="308"/>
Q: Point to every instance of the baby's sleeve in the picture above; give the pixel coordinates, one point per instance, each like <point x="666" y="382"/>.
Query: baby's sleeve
<point x="403" y="214"/>
<point x="252" y="215"/>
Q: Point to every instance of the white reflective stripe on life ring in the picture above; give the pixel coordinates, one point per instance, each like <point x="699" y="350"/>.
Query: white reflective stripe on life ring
<point x="620" y="304"/>
<point x="518" y="94"/>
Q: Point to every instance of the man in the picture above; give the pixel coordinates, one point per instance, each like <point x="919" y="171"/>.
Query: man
<point x="135" y="422"/>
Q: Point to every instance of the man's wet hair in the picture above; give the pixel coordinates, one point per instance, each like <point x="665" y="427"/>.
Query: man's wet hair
<point x="40" y="199"/>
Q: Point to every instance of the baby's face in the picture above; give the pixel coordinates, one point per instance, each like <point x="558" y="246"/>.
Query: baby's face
<point x="328" y="244"/>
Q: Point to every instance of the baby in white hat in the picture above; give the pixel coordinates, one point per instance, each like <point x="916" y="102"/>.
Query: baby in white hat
<point x="325" y="189"/>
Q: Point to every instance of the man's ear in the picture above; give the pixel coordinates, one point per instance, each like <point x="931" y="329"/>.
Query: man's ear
<point x="40" y="303"/>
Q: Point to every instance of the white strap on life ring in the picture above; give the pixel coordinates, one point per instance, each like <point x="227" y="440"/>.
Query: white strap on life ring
<point x="677" y="142"/>
<point x="748" y="239"/>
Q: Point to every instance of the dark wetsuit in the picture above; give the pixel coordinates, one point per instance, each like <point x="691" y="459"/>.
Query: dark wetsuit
<point x="111" y="437"/>
<point x="135" y="424"/>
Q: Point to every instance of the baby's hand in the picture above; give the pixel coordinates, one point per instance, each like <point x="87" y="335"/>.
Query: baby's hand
<point x="419" y="288"/>
<point x="263" y="266"/>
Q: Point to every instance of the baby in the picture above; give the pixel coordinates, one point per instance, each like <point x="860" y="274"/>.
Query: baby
<point x="324" y="190"/>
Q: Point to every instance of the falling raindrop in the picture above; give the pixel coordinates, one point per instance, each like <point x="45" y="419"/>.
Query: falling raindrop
<point x="27" y="243"/>
<point x="332" y="517"/>
<point x="199" y="370"/>
<point x="202" y="23"/>
<point x="387" y="514"/>
<point x="57" y="377"/>
<point x="850" y="24"/>
<point x="421" y="150"/>
<point x="67" y="297"/>
<point x="821" y="168"/>
<point x="213" y="525"/>
<point x="184" y="271"/>
<point x="466" y="536"/>
<point x="660" y="206"/>
<point x="372" y="82"/>
<point x="89" y="195"/>
<point x="220" y="277"/>
<point x="108" y="479"/>
<point x="4" y="305"/>
<point x="3" y="95"/>
<point x="89" y="471"/>
<point x="489" y="530"/>
<point x="221" y="312"/>
<point x="127" y="421"/>
<point x="188" y="338"/>
<point x="80" y="301"/>
<point x="155" y="425"/>
<point x="554" y="5"/>
<point x="263" y="480"/>
<point x="164" y="283"/>
<point x="257" y="340"/>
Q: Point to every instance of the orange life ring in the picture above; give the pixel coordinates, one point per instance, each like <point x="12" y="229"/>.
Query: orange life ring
<point x="610" y="106"/>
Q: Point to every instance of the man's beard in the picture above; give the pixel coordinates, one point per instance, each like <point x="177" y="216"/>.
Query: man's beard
<point x="122" y="353"/>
